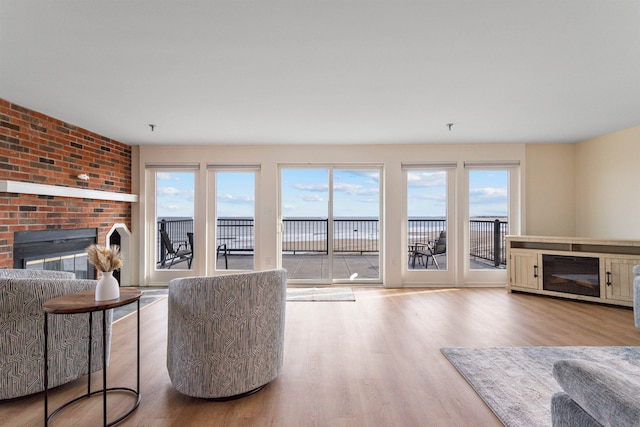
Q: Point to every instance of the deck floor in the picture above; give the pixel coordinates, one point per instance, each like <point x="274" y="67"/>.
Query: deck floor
<point x="316" y="266"/>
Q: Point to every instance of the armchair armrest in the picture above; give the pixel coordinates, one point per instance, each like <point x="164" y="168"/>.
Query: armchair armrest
<point x="608" y="396"/>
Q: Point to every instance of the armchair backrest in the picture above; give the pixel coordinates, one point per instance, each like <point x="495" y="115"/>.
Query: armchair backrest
<point x="35" y="274"/>
<point x="22" y="293"/>
<point x="226" y="333"/>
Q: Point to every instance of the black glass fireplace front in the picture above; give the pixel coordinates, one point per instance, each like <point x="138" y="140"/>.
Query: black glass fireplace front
<point x="571" y="274"/>
<point x="62" y="250"/>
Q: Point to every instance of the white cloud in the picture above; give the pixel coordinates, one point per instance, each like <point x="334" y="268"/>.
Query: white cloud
<point x="312" y="198"/>
<point x="355" y="189"/>
<point x="230" y="198"/>
<point x="312" y="187"/>
<point x="427" y="179"/>
<point x="488" y="194"/>
<point x="168" y="191"/>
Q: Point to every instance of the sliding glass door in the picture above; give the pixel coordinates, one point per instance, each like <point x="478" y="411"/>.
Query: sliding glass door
<point x="330" y="224"/>
<point x="356" y="224"/>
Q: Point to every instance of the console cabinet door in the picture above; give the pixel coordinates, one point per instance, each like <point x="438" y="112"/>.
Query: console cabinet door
<point x="525" y="271"/>
<point x="618" y="277"/>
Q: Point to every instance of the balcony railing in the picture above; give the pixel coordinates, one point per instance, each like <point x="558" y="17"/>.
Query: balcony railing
<point x="487" y="240"/>
<point x="350" y="235"/>
<point x="424" y="230"/>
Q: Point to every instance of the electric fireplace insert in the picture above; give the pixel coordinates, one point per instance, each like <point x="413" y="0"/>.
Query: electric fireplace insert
<point x="571" y="274"/>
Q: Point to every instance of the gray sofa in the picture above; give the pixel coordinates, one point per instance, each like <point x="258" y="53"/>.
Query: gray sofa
<point x="22" y="293"/>
<point x="594" y="395"/>
<point x="226" y="333"/>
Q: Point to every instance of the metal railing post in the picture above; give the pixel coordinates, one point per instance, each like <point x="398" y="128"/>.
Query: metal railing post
<point x="496" y="243"/>
<point x="327" y="238"/>
<point x="163" y="249"/>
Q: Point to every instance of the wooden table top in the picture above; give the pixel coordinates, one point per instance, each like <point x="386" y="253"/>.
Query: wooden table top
<point x="85" y="302"/>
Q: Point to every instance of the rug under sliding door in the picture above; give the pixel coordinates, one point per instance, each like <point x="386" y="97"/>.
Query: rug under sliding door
<point x="320" y="294"/>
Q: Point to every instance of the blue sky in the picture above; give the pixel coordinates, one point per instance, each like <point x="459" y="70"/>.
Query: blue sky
<point x="174" y="194"/>
<point x="488" y="193"/>
<point x="235" y="194"/>
<point x="305" y="193"/>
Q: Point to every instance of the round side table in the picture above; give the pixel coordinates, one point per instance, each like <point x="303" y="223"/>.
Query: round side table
<point x="84" y="302"/>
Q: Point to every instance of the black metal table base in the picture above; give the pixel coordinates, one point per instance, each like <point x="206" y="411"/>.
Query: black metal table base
<point x="87" y="396"/>
<point x="105" y="390"/>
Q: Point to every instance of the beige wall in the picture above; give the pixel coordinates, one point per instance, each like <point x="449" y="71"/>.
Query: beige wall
<point x="608" y="186"/>
<point x="589" y="189"/>
<point x="550" y="202"/>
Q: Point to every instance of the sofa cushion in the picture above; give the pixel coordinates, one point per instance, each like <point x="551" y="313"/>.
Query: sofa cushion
<point x="605" y="394"/>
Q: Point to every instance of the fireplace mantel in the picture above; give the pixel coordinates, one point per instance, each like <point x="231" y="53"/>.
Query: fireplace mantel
<point x="56" y="190"/>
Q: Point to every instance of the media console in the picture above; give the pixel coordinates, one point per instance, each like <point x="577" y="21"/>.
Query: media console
<point x="597" y="270"/>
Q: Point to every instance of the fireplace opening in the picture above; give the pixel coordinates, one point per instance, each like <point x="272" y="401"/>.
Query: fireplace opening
<point x="62" y="250"/>
<point x="571" y="274"/>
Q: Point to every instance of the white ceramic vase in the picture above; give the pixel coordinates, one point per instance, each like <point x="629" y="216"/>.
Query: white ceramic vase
<point x="108" y="287"/>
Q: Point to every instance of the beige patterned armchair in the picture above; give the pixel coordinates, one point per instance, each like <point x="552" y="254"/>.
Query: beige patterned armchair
<point x="226" y="333"/>
<point x="22" y="293"/>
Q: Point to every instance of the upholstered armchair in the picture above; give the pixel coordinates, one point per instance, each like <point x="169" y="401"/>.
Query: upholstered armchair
<point x="595" y="395"/>
<point x="226" y="333"/>
<point x="22" y="293"/>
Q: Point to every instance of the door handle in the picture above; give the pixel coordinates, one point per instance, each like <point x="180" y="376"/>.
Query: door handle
<point x="608" y="278"/>
<point x="535" y="271"/>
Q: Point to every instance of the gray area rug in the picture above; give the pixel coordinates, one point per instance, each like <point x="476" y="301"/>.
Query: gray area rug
<point x="148" y="296"/>
<point x="517" y="382"/>
<point x="320" y="294"/>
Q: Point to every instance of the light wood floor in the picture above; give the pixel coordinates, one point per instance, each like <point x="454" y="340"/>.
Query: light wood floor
<point x="373" y="362"/>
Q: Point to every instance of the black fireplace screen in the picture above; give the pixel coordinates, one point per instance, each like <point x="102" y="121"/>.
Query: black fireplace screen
<point x="571" y="274"/>
<point x="62" y="250"/>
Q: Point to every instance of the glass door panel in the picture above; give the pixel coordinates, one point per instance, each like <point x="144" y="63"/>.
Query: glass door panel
<point x="305" y="246"/>
<point x="488" y="218"/>
<point x="427" y="220"/>
<point x="356" y="224"/>
<point x="235" y="220"/>
<point x="174" y="220"/>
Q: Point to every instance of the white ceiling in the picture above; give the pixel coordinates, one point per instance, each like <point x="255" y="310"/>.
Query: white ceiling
<point x="326" y="71"/>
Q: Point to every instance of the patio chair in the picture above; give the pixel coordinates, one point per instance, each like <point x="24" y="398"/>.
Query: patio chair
<point x="184" y="250"/>
<point x="437" y="248"/>
<point x="222" y="249"/>
<point x="433" y="249"/>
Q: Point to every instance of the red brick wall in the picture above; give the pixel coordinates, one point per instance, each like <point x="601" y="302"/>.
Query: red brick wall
<point x="40" y="149"/>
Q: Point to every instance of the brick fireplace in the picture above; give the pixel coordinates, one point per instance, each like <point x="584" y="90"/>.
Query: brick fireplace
<point x="38" y="149"/>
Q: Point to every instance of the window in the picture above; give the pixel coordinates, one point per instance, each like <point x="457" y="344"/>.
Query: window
<point x="174" y="219"/>
<point x="427" y="219"/>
